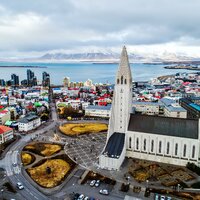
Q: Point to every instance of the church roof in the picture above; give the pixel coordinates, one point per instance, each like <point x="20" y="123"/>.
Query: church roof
<point x="115" y="145"/>
<point x="169" y="126"/>
<point x="124" y="66"/>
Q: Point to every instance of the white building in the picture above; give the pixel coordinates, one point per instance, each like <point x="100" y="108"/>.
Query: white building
<point x="98" y="111"/>
<point x="173" y="109"/>
<point x="6" y="134"/>
<point x="163" y="139"/>
<point x="29" y="122"/>
<point x="149" y="108"/>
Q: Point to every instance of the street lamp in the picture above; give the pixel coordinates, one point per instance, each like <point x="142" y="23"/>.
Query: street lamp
<point x="2" y="193"/>
<point x="147" y="183"/>
<point x="178" y="187"/>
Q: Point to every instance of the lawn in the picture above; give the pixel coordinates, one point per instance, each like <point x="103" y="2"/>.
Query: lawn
<point x="27" y="158"/>
<point x="50" y="173"/>
<point x="43" y="149"/>
<point x="78" y="129"/>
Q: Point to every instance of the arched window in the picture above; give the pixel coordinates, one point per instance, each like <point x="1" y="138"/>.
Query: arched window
<point x="176" y="149"/>
<point x="152" y="145"/>
<point x="130" y="142"/>
<point x="160" y="147"/>
<point x="184" y="150"/>
<point x="122" y="78"/>
<point x="193" y="151"/>
<point x="125" y="81"/>
<point x="167" y="147"/>
<point x="145" y="143"/>
<point x="117" y="81"/>
<point x="137" y="143"/>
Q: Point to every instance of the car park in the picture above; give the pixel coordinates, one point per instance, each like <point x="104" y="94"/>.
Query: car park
<point x="104" y="191"/>
<point x="92" y="183"/>
<point x="20" y="186"/>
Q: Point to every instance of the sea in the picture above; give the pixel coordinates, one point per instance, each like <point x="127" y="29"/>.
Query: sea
<point x="97" y="72"/>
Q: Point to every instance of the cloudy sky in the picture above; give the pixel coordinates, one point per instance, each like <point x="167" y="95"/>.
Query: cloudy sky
<point x="31" y="28"/>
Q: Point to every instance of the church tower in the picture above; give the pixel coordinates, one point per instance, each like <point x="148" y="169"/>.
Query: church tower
<point x="122" y="100"/>
<point x="114" y="151"/>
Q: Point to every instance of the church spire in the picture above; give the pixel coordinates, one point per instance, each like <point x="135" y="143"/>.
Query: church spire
<point x="124" y="72"/>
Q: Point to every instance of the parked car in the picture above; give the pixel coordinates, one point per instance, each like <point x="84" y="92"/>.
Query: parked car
<point x="92" y="183"/>
<point x="76" y="196"/>
<point x="104" y="191"/>
<point x="86" y="198"/>
<point x="20" y="186"/>
<point x="97" y="183"/>
<point x="81" y="197"/>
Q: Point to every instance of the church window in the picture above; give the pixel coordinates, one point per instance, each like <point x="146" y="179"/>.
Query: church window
<point x="152" y="145"/>
<point x="167" y="147"/>
<point x="184" y="150"/>
<point x="130" y="142"/>
<point x="193" y="151"/>
<point x="176" y="149"/>
<point x="160" y="147"/>
<point x="137" y="143"/>
<point x="125" y="81"/>
<point x="122" y="79"/>
<point x="118" y="81"/>
<point x="145" y="143"/>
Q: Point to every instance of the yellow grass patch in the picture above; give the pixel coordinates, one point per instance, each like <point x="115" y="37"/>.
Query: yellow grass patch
<point x="26" y="158"/>
<point x="50" y="149"/>
<point x="59" y="169"/>
<point x="78" y="129"/>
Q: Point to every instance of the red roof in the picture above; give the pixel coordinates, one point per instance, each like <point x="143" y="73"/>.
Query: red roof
<point x="4" y="129"/>
<point x="3" y="111"/>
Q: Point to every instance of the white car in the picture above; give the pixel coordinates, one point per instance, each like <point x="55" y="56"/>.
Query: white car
<point x="92" y="183"/>
<point x="81" y="197"/>
<point x="104" y="191"/>
<point x="97" y="183"/>
<point x="20" y="186"/>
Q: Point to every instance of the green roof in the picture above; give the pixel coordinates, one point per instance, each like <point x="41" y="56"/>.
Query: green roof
<point x="9" y="123"/>
<point x="37" y="104"/>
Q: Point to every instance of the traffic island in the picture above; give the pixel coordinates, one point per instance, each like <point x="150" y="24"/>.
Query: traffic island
<point x="27" y="158"/>
<point x="49" y="173"/>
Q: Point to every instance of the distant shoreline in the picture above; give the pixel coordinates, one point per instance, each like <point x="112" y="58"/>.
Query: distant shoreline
<point x="23" y="67"/>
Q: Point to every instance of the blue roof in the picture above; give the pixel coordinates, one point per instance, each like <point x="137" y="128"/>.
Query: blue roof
<point x="195" y="106"/>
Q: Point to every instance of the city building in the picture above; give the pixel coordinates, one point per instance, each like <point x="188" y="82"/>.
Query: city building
<point x="31" y="78"/>
<point x="173" y="109"/>
<point x="193" y="109"/>
<point x="14" y="80"/>
<point x="148" y="108"/>
<point x="45" y="79"/>
<point x="66" y="82"/>
<point x="98" y="111"/>
<point x="169" y="140"/>
<point x="2" y="82"/>
<point x="6" y="134"/>
<point x="29" y="122"/>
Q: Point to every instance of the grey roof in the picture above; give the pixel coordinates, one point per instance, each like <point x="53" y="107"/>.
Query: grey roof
<point x="115" y="145"/>
<point x="99" y="107"/>
<point x="28" y="118"/>
<point x="169" y="126"/>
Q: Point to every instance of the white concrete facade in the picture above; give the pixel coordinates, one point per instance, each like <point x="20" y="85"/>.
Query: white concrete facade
<point x="27" y="126"/>
<point x="98" y="111"/>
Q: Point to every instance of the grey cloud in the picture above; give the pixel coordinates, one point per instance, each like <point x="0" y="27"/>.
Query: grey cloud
<point x="71" y="23"/>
